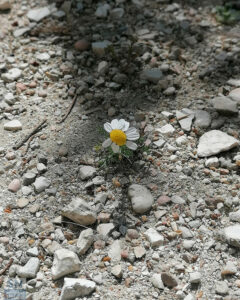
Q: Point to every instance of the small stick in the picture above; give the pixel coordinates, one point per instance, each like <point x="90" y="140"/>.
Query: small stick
<point x="8" y="265"/>
<point x="75" y="224"/>
<point x="28" y="144"/>
<point x="69" y="110"/>
<point x="34" y="131"/>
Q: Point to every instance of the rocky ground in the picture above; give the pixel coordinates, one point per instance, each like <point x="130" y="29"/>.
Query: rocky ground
<point x="163" y="224"/>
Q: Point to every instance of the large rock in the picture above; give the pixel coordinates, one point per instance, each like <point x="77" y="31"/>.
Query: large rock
<point x="141" y="198"/>
<point x="38" y="14"/>
<point x="76" y="287"/>
<point x="225" y="106"/>
<point x="85" y="241"/>
<point x="214" y="142"/>
<point x="79" y="211"/>
<point x="232" y="235"/>
<point x="65" y="262"/>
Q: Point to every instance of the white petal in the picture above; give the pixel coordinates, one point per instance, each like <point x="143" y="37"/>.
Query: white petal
<point x="115" y="124"/>
<point x="107" y="127"/>
<point x="126" y="126"/>
<point x="131" y="145"/>
<point x="121" y="124"/>
<point x="107" y="143"/>
<point x="132" y="134"/>
<point x="115" y="148"/>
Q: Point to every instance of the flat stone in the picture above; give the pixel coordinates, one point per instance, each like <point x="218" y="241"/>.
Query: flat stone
<point x="141" y="198"/>
<point x="221" y="288"/>
<point x="235" y="95"/>
<point x="87" y="172"/>
<point x="13" y="125"/>
<point x="102" y="11"/>
<point x="202" y="119"/>
<point x="234" y="82"/>
<point x="38" y="14"/>
<point x="85" y="241"/>
<point x="76" y="287"/>
<point x="212" y="162"/>
<point x="139" y="251"/>
<point x="195" y="277"/>
<point x="65" y="262"/>
<point x="156" y="280"/>
<point x="117" y="271"/>
<point x="159" y="143"/>
<point x="30" y="269"/>
<point x="41" y="184"/>
<point x="167" y="129"/>
<point x="155" y="238"/>
<point x="115" y="251"/>
<point x="235" y="216"/>
<point x="103" y="67"/>
<point x="21" y="31"/>
<point x="22" y="202"/>
<point x="79" y="211"/>
<point x="99" y="48"/>
<point x="5" y="5"/>
<point x="29" y="178"/>
<point x="177" y="199"/>
<point x="14" y="185"/>
<point x="43" y="56"/>
<point x="12" y="75"/>
<point x="214" y="142"/>
<point x="225" y="106"/>
<point x="33" y="252"/>
<point x="152" y="75"/>
<point x="186" y="123"/>
<point x="232" y="235"/>
<point x="168" y="280"/>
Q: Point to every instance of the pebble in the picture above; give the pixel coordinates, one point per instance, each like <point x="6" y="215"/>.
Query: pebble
<point x="79" y="211"/>
<point x="168" y="280"/>
<point x="155" y="238"/>
<point x="12" y="75"/>
<point x="221" y="288"/>
<point x="234" y="82"/>
<point x="117" y="271"/>
<point x="202" y="119"/>
<point x="33" y="252"/>
<point x="156" y="280"/>
<point x="14" y="185"/>
<point x="235" y="95"/>
<point x="235" y="216"/>
<point x="117" y="13"/>
<point x="229" y="269"/>
<point x="29" y="178"/>
<point x="65" y="262"/>
<point x="214" y="142"/>
<point x="82" y="45"/>
<point x="232" y="235"/>
<point x="163" y="200"/>
<point x="38" y="14"/>
<point x="76" y="287"/>
<point x="22" y="202"/>
<point x="102" y="11"/>
<point x="195" y="277"/>
<point x="105" y="229"/>
<point x="167" y="129"/>
<point x="43" y="56"/>
<point x="139" y="251"/>
<point x="152" y="75"/>
<point x="5" y="5"/>
<point x="225" y="106"/>
<point x="103" y="67"/>
<point x="212" y="162"/>
<point x="87" y="172"/>
<point x="141" y="198"/>
<point x="41" y="184"/>
<point x="13" y="125"/>
<point x="169" y="91"/>
<point x="99" y="48"/>
<point x="115" y="251"/>
<point x="30" y="269"/>
<point x="85" y="241"/>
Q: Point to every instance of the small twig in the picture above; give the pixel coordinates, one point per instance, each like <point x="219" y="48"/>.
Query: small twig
<point x="28" y="144"/>
<point x="69" y="110"/>
<point x="8" y="265"/>
<point x="90" y="111"/>
<point x="27" y="137"/>
<point x="127" y="158"/>
<point x="75" y="224"/>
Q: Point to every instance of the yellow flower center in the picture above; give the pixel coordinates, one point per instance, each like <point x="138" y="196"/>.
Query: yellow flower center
<point x="118" y="137"/>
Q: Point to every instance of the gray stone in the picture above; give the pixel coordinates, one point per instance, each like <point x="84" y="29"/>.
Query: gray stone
<point x="177" y="199"/>
<point x="85" y="241"/>
<point x="117" y="271"/>
<point x="214" y="142"/>
<point x="102" y="11"/>
<point x="43" y="56"/>
<point x="221" y="288"/>
<point x="12" y="75"/>
<point x="115" y="251"/>
<point x="41" y="168"/>
<point x="186" y="233"/>
<point x="13" y="125"/>
<point x="117" y="13"/>
<point x="202" y="119"/>
<point x="87" y="172"/>
<point x="33" y="252"/>
<point x="152" y="75"/>
<point x="170" y="91"/>
<point x="102" y="67"/>
<point x="232" y="235"/>
<point x="26" y="190"/>
<point x="235" y="216"/>
<point x="76" y="287"/>
<point x="79" y="211"/>
<point x="105" y="229"/>
<point x="155" y="238"/>
<point x="157" y="281"/>
<point x="29" y="178"/>
<point x="41" y="183"/>
<point x="141" y="198"/>
<point x="99" y="48"/>
<point x="235" y="95"/>
<point x="65" y="262"/>
<point x="195" y="277"/>
<point x="225" y="106"/>
<point x="30" y="269"/>
<point x="38" y="14"/>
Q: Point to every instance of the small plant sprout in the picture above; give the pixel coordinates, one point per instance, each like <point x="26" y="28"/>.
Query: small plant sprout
<point x="120" y="135"/>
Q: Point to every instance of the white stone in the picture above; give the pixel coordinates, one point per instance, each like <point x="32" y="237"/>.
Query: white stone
<point x="225" y="106"/>
<point x="12" y="75"/>
<point x="33" y="252"/>
<point x="195" y="277"/>
<point x="38" y="14"/>
<point x="212" y="162"/>
<point x="167" y="129"/>
<point x="157" y="281"/>
<point x="160" y="143"/>
<point x="117" y="271"/>
<point x="190" y="297"/>
<point x="87" y="172"/>
<point x="21" y="31"/>
<point x="43" y="56"/>
<point x="235" y="216"/>
<point x="232" y="235"/>
<point x="102" y="67"/>
<point x="181" y="140"/>
<point x="214" y="142"/>
<point x="41" y="183"/>
<point x="155" y="238"/>
<point x="234" y="82"/>
<point x="141" y="198"/>
<point x="105" y="229"/>
<point x="76" y="287"/>
<point x="79" y="211"/>
<point x="13" y="125"/>
<point x="235" y="95"/>
<point x="221" y="288"/>
<point x="85" y="241"/>
<point x="115" y="251"/>
<point x="65" y="262"/>
<point x="202" y="119"/>
<point x="9" y="98"/>
<point x="30" y="269"/>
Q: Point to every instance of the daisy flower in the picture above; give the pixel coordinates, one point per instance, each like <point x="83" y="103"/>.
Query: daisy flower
<point x="120" y="134"/>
